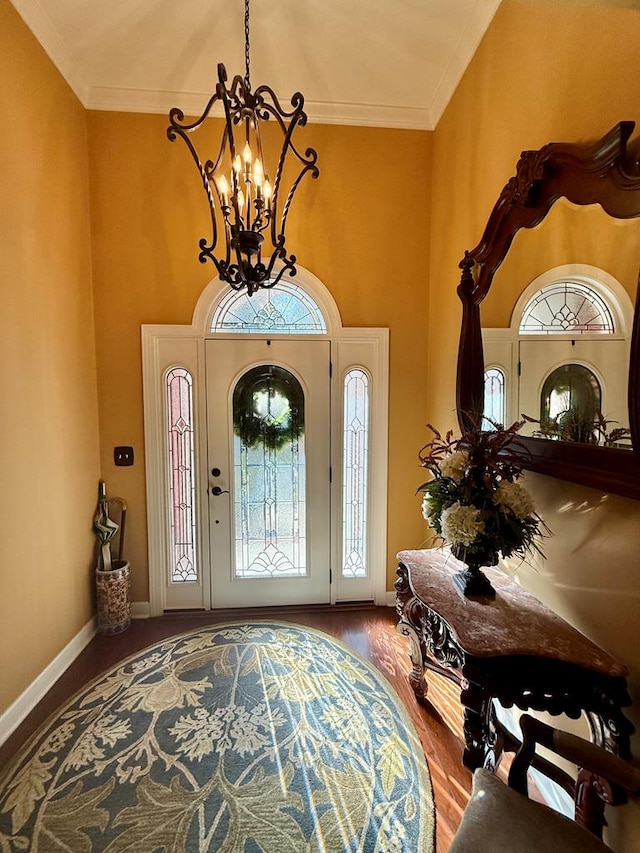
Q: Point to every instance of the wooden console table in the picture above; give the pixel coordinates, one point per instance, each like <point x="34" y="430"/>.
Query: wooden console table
<point x="511" y="648"/>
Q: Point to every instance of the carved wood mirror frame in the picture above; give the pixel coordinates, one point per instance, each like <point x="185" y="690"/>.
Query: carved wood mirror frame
<point x="606" y="172"/>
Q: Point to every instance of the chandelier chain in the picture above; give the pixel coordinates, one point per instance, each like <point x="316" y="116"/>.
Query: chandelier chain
<point x="247" y="78"/>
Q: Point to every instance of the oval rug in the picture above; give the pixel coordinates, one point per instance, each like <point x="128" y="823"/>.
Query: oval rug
<point x="249" y="737"/>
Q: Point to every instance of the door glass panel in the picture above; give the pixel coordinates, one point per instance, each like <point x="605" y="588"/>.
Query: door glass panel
<point x="182" y="530"/>
<point x="269" y="475"/>
<point x="355" y="474"/>
<point x="570" y="404"/>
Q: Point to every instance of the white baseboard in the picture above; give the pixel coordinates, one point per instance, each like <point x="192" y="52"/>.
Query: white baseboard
<point x="140" y="610"/>
<point x="26" y="702"/>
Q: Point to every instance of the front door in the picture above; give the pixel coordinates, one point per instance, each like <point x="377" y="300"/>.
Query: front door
<point x="268" y="451"/>
<point x="602" y="357"/>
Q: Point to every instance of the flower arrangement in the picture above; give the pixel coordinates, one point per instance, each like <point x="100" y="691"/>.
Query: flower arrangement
<point x="473" y="500"/>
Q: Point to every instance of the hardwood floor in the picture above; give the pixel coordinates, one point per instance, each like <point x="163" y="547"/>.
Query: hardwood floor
<point x="370" y="631"/>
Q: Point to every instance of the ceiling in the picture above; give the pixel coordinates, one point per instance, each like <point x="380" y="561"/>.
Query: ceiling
<point x="388" y="63"/>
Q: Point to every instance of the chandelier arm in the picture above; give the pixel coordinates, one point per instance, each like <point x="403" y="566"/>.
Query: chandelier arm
<point x="207" y="252"/>
<point x="308" y="165"/>
<point x="297" y="102"/>
<point x="173" y="132"/>
<point x="288" y="266"/>
<point x="290" y="195"/>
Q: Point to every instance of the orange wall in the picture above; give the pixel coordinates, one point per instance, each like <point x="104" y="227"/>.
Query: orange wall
<point x="361" y="228"/>
<point x="48" y="417"/>
<point x="544" y="71"/>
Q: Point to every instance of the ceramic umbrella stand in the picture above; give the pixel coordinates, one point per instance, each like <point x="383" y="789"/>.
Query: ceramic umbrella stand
<point x="113" y="577"/>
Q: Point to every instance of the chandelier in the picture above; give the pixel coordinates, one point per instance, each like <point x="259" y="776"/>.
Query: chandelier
<point x="248" y="202"/>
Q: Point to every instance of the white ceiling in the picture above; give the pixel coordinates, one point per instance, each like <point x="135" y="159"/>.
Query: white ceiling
<point x="389" y="63"/>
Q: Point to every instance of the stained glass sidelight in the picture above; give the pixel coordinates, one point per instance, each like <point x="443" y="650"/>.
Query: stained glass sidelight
<point x="494" y="397"/>
<point x="566" y="307"/>
<point x="355" y="474"/>
<point x="283" y="309"/>
<point x="269" y="472"/>
<point x="179" y="391"/>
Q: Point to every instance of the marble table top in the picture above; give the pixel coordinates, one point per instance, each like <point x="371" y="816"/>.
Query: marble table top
<point x="512" y="623"/>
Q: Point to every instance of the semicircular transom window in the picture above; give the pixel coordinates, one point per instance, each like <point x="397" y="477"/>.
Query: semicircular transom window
<point x="566" y="307"/>
<point x="570" y="404"/>
<point x="285" y="309"/>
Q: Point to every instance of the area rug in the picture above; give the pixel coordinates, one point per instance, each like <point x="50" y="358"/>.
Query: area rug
<point x="237" y="737"/>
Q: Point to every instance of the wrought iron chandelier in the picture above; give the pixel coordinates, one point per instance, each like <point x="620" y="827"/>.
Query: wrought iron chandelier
<point x="245" y="203"/>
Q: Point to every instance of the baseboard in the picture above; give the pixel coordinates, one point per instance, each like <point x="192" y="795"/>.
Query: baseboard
<point x="140" y="610"/>
<point x="391" y="599"/>
<point x="26" y="702"/>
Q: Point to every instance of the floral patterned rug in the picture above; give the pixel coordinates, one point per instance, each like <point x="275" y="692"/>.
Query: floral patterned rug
<point x="236" y="737"/>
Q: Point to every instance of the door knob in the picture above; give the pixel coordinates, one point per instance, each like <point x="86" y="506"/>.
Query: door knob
<point x="216" y="490"/>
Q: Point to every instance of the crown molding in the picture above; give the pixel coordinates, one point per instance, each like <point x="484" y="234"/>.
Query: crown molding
<point x="114" y="99"/>
<point x="318" y="112"/>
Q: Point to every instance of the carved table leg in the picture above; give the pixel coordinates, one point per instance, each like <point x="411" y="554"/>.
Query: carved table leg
<point x="482" y="738"/>
<point x="416" y="653"/>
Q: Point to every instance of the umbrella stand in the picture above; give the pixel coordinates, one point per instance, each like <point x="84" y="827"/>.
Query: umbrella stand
<point x="113" y="577"/>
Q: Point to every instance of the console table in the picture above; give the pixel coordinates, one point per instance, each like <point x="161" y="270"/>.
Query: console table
<point x="511" y="648"/>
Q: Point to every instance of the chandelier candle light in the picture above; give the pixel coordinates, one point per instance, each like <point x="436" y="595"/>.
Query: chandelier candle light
<point x="243" y="201"/>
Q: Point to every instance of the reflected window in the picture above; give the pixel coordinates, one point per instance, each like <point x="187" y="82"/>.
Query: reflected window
<point x="269" y="475"/>
<point x="494" y="398"/>
<point x="566" y="307"/>
<point x="182" y="528"/>
<point x="284" y="309"/>
<point x="570" y="404"/>
<point x="355" y="473"/>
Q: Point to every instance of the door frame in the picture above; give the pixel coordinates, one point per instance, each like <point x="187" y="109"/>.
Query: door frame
<point x="168" y="346"/>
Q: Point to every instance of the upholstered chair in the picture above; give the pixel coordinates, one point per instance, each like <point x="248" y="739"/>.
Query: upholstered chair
<point x="501" y="818"/>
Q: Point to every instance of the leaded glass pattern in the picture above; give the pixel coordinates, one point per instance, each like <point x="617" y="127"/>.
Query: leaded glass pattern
<point x="494" y="398"/>
<point x="182" y="528"/>
<point x="269" y="475"/>
<point x="355" y="473"/>
<point x="284" y="309"/>
<point x="566" y="307"/>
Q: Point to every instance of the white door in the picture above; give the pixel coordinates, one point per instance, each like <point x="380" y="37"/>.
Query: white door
<point x="268" y="452"/>
<point x="538" y="358"/>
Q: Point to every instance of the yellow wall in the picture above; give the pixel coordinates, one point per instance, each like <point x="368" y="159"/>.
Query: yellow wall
<point x="545" y="71"/>
<point x="361" y="228"/>
<point x="48" y="417"/>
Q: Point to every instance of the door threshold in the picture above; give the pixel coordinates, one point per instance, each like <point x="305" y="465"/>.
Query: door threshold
<point x="243" y="612"/>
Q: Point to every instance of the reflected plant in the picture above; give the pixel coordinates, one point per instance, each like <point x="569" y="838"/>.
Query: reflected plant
<point x="570" y="427"/>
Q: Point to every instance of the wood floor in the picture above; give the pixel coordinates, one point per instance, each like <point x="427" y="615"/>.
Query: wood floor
<point x="370" y="631"/>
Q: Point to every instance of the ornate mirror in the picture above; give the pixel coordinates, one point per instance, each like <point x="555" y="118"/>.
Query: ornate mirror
<point x="596" y="179"/>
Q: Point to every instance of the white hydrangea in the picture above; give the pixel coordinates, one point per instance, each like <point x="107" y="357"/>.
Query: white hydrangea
<point x="515" y="497"/>
<point x="461" y="524"/>
<point x="427" y="509"/>
<point x="454" y="465"/>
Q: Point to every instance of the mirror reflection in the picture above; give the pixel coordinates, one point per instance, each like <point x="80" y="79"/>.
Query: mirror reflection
<point x="557" y="326"/>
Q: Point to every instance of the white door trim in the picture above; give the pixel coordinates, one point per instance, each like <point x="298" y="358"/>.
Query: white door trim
<point x="165" y="346"/>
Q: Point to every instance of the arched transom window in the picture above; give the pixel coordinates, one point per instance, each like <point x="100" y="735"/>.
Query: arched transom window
<point x="566" y="307"/>
<point x="285" y="309"/>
